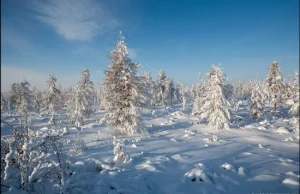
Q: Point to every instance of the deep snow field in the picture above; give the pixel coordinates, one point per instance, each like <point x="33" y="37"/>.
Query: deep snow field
<point x="180" y="155"/>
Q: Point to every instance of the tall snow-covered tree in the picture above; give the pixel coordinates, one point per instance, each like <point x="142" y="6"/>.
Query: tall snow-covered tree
<point x="216" y="106"/>
<point x="274" y="85"/>
<point x="198" y="102"/>
<point x="294" y="87"/>
<point x="24" y="101"/>
<point x="85" y="94"/>
<point x="36" y="99"/>
<point x="81" y="99"/>
<point x="178" y="98"/>
<point x="161" y="87"/>
<point x="124" y="94"/>
<point x="148" y="86"/>
<point x="183" y="94"/>
<point x="168" y="94"/>
<point x="256" y="103"/>
<point x="52" y="98"/>
<point x="12" y="97"/>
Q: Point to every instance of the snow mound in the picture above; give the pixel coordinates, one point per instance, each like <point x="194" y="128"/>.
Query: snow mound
<point x="289" y="181"/>
<point x="282" y="130"/>
<point x="199" y="174"/>
<point x="241" y="171"/>
<point x="227" y="166"/>
<point x="178" y="113"/>
<point x="265" y="177"/>
<point x="288" y="139"/>
<point x="133" y="146"/>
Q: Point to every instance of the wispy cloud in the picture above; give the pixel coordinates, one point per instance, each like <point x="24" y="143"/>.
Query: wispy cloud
<point x="75" y="19"/>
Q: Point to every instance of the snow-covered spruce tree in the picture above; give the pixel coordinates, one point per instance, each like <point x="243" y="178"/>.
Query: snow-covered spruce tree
<point x="84" y="97"/>
<point x="183" y="96"/>
<point x="178" y="98"/>
<point x="256" y="103"/>
<point x="168" y="94"/>
<point x="216" y="106"/>
<point x="102" y="93"/>
<point x="72" y="105"/>
<point x="274" y="86"/>
<point x="148" y="88"/>
<point x="3" y="104"/>
<point x="36" y="99"/>
<point x="161" y="79"/>
<point x="12" y="96"/>
<point x="294" y="87"/>
<point x="52" y="98"/>
<point x="24" y="102"/>
<point x="198" y="102"/>
<point x="124" y="94"/>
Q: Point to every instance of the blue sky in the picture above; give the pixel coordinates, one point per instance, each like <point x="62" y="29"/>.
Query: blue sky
<point x="40" y="37"/>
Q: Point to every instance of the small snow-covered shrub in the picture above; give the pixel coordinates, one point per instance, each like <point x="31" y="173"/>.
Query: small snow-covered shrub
<point x="200" y="173"/>
<point x="215" y="138"/>
<point x="33" y="162"/>
<point x="120" y="153"/>
<point x="294" y="122"/>
<point x="78" y="145"/>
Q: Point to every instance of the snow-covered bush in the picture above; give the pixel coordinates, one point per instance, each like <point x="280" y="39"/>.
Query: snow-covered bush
<point x="33" y="161"/>
<point x="78" y="144"/>
<point x="294" y="86"/>
<point x="294" y="122"/>
<point x="256" y="103"/>
<point x="120" y="153"/>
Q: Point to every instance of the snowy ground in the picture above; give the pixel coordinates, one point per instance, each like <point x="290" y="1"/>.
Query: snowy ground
<point x="181" y="156"/>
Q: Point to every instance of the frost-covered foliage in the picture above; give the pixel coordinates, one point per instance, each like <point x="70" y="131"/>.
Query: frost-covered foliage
<point x="183" y="94"/>
<point x="216" y="106"/>
<point x="32" y="162"/>
<point x="85" y="94"/>
<point x="120" y="153"/>
<point x="12" y="97"/>
<point x="294" y="96"/>
<point x="78" y="144"/>
<point x="123" y="92"/>
<point x="4" y="105"/>
<point x="239" y="90"/>
<point x="294" y="122"/>
<point x="81" y="99"/>
<point x="36" y="99"/>
<point x="52" y="98"/>
<point x="274" y="86"/>
<point x="146" y="87"/>
<point x="160" y="86"/>
<point x="168" y="95"/>
<point x="256" y="103"/>
<point x="199" y="93"/>
<point x="178" y="97"/>
<point x="23" y="101"/>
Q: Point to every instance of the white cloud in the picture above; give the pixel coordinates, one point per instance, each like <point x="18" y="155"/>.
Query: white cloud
<point x="75" y="19"/>
<point x="11" y="74"/>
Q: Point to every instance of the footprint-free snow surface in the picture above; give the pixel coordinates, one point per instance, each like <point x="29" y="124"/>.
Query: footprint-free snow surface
<point x="180" y="155"/>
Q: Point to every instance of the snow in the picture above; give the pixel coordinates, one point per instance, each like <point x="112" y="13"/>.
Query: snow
<point x="180" y="157"/>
